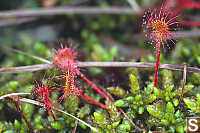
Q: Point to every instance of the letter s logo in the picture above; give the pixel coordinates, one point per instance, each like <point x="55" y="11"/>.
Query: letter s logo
<point x="193" y="125"/>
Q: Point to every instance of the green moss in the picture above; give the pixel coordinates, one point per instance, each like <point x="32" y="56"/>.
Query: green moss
<point x="117" y="91"/>
<point x="57" y="125"/>
<point x="134" y="84"/>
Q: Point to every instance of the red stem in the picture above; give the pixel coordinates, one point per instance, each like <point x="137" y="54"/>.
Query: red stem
<point x="21" y="113"/>
<point x="192" y="4"/>
<point x="92" y="85"/>
<point x="187" y="4"/>
<point x="52" y="114"/>
<point x="157" y="64"/>
<point x="92" y="100"/>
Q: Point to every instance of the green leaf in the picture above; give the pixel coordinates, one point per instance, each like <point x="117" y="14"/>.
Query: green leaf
<point x="117" y="91"/>
<point x="186" y="89"/>
<point x="192" y="104"/>
<point x="180" y="129"/>
<point x="175" y="102"/>
<point x="121" y="103"/>
<point x="134" y="84"/>
<point x="115" y="124"/>
<point x="17" y="124"/>
<point x="154" y="110"/>
<point x="140" y="110"/>
<point x="100" y="118"/>
<point x="151" y="98"/>
<point x="170" y="108"/>
<point x="124" y="127"/>
<point x="165" y="122"/>
<point x="149" y="88"/>
<point x="57" y="125"/>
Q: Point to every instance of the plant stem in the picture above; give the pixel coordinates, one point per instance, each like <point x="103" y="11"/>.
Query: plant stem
<point x="192" y="4"/>
<point x="52" y="114"/>
<point x="92" y="85"/>
<point x="92" y="100"/>
<point x="22" y="115"/>
<point x="157" y="64"/>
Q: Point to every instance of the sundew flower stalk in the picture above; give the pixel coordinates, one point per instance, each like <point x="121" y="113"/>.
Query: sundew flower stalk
<point x="158" y="26"/>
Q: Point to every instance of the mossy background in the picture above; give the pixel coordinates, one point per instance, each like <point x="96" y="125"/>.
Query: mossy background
<point x="99" y="38"/>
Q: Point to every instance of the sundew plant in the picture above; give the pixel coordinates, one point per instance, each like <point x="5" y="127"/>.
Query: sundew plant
<point x="159" y="25"/>
<point x="87" y="67"/>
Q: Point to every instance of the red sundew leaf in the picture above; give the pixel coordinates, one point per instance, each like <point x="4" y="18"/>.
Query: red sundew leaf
<point x="41" y="90"/>
<point x="64" y="59"/>
<point x="69" y="89"/>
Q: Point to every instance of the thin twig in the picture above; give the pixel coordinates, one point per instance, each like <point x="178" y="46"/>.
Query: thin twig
<point x="14" y="21"/>
<point x="40" y="104"/>
<point x="27" y="54"/>
<point x="184" y="81"/>
<point x="66" y="10"/>
<point x="14" y="94"/>
<point x="99" y="64"/>
<point x="31" y="68"/>
<point x="134" y="5"/>
<point x="125" y="115"/>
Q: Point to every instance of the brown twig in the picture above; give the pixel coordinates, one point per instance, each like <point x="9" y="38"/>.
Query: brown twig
<point x="184" y="81"/>
<point x="99" y="64"/>
<point x="27" y="54"/>
<point x="76" y="123"/>
<point x="66" y="10"/>
<point x="125" y="115"/>
<point x="16" y="21"/>
<point x="26" y="68"/>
